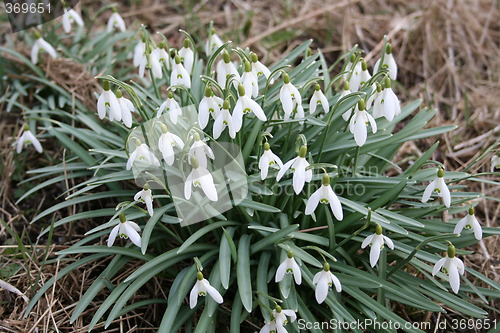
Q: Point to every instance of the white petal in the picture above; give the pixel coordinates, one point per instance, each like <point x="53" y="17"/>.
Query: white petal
<point x="459" y="264"/>
<point x="321" y="290"/>
<point x="374" y="252"/>
<point x="454" y="278"/>
<point x="34" y="141"/>
<point x="285" y="167"/>
<point x="439" y="264"/>
<point x="428" y="190"/>
<point x="317" y="276"/>
<point x="132" y="234"/>
<point x="299" y="176"/>
<point x="460" y="226"/>
<point x="335" y="205"/>
<point x="280" y="272"/>
<point x="478" y="231"/>
<point x="20" y="143"/>
<point x="193" y="296"/>
<point x="101" y="106"/>
<point x="389" y="242"/>
<point x="112" y="235"/>
<point x="367" y="241"/>
<point x="208" y="186"/>
<point x="445" y="192"/>
<point x="47" y="48"/>
<point x="291" y="314"/>
<point x="360" y="131"/>
<point x="203" y="113"/>
<point x="297" y="275"/>
<point x="187" y="186"/>
<point x="214" y="293"/>
<point x="336" y="282"/>
<point x="312" y="202"/>
<point x="372" y="122"/>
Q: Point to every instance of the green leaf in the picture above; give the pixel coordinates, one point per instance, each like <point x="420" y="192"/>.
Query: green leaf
<point x="243" y="275"/>
<point x="203" y="231"/>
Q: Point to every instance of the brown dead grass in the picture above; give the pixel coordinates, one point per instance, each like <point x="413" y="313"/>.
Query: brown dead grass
<point x="447" y="52"/>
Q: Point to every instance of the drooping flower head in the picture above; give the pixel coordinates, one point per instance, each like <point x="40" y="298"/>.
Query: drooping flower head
<point x="213" y="43"/>
<point x="360" y="76"/>
<point x="278" y="320"/>
<point x="289" y="266"/>
<point x="359" y="123"/>
<point x="201" y="288"/>
<point x="41" y="45"/>
<point x="187" y="56"/>
<point x="126" y="108"/>
<point x="209" y="105"/>
<point x="69" y="17"/>
<point x="318" y="98"/>
<point x="388" y="63"/>
<point x="249" y="80"/>
<point x="258" y="68"/>
<point x="245" y="105"/>
<point x="202" y="178"/>
<point x="298" y="166"/>
<point x="172" y="107"/>
<point x="166" y="144"/>
<point x="451" y="266"/>
<point x="142" y="156"/>
<point x="267" y="159"/>
<point x="225" y="68"/>
<point x="290" y="98"/>
<point x="385" y="102"/>
<point x="325" y="195"/>
<point x="438" y="185"/>
<point x="116" y="21"/>
<point x="161" y="55"/>
<point x="28" y="138"/>
<point x="324" y="280"/>
<point x="108" y="104"/>
<point x="179" y="76"/>
<point x="224" y="119"/>
<point x="376" y="242"/>
<point x="201" y="150"/>
<point x="125" y="229"/>
<point x="146" y="196"/>
<point x="470" y="222"/>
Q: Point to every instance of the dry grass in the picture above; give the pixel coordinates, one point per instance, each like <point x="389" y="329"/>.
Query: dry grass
<point x="447" y="52"/>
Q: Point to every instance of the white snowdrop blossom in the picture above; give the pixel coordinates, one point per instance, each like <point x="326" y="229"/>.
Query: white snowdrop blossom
<point x="213" y="43"/>
<point x="125" y="229"/>
<point x="200" y="177"/>
<point x="451" y="266"/>
<point x="470" y="222"/>
<point x="143" y="155"/>
<point x="152" y="61"/>
<point x="68" y="18"/>
<point x="201" y="150"/>
<point x="354" y="66"/>
<point x="146" y="196"/>
<point x="179" y="75"/>
<point x="376" y="242"/>
<point x="161" y="55"/>
<point x="346" y="91"/>
<point x="389" y="63"/>
<point x="279" y="320"/>
<point x="139" y="53"/>
<point x="289" y="266"/>
<point x="187" y="56"/>
<point x="358" y="125"/>
<point x="439" y="186"/>
<point x="201" y="288"/>
<point x="224" y="119"/>
<point x="325" y="195"/>
<point x="259" y="69"/>
<point x="108" y="104"/>
<point x="324" y="280"/>
<point x="209" y="105"/>
<point x="249" y="81"/>
<point x="495" y="162"/>
<point x="268" y="159"/>
<point x="41" y="45"/>
<point x="360" y="76"/>
<point x="115" y="21"/>
<point x="28" y="138"/>
<point x="225" y="68"/>
<point x="318" y="98"/>
<point x="172" y="107"/>
<point x="385" y="103"/>
<point x="245" y="105"/>
<point x="166" y="144"/>
<point x="298" y="166"/>
<point x="290" y="98"/>
<point x="126" y="108"/>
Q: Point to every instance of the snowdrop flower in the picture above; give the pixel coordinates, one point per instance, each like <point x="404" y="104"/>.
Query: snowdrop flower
<point x="166" y="144"/>
<point x="389" y="63"/>
<point x="187" y="56"/>
<point x="213" y="43"/>
<point x="152" y="61"/>
<point x="41" y="45"/>
<point x="179" y="76"/>
<point x="267" y="159"/>
<point x="385" y="102"/>
<point x="360" y="76"/>
<point x="26" y="138"/>
<point x="146" y="196"/>
<point x="290" y="97"/>
<point x="224" y="119"/>
<point x="258" y="68"/>
<point x="126" y="108"/>
<point x="452" y="266"/>
<point x="201" y="288"/>
<point x="201" y="150"/>
<point x="376" y="241"/>
<point x="249" y="81"/>
<point x="353" y="66"/>
<point x="225" y="68"/>
<point x="325" y="195"/>
<point x="359" y="123"/>
<point x="142" y="154"/>
<point x="298" y="166"/>
<point x="346" y="91"/>
<point x="289" y="266"/>
<point x="200" y="177"/>
<point x="126" y="229"/>
<point x="161" y="55"/>
<point x="69" y="17"/>
<point x="209" y="105"/>
<point x="139" y="52"/>
<point x="244" y="105"/>
<point x="116" y="21"/>
<point x="439" y="186"/>
<point x="108" y="104"/>
<point x="495" y="162"/>
<point x="279" y="320"/>
<point x="172" y="107"/>
<point x="318" y="98"/>
<point x="324" y="280"/>
<point x="470" y="222"/>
